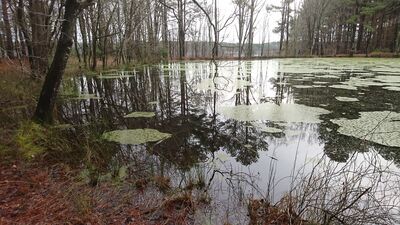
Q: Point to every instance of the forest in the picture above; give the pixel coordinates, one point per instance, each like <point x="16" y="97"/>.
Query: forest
<point x="200" y="112"/>
<point x="120" y="32"/>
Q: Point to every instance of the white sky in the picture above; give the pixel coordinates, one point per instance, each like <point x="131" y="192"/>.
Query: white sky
<point x="226" y="7"/>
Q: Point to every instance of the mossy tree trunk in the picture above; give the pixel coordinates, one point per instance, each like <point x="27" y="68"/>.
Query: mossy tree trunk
<point x="47" y="99"/>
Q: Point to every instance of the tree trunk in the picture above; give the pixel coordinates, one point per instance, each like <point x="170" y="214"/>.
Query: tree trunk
<point x="282" y="28"/>
<point x="165" y="27"/>
<point x="40" y="36"/>
<point x="360" y="33"/>
<point x="45" y="106"/>
<point x="82" y="27"/>
<point x="7" y="30"/>
<point x="398" y="37"/>
<point x="22" y="27"/>
<point x="76" y="43"/>
<point x="251" y="30"/>
<point x="287" y="27"/>
<point x="181" y="28"/>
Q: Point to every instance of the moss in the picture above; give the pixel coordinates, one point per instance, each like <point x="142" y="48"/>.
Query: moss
<point x="31" y="139"/>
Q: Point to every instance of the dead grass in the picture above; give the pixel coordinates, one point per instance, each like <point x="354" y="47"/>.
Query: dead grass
<point x="282" y="213"/>
<point x="36" y="194"/>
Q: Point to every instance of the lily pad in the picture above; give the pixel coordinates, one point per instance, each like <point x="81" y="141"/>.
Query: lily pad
<point x="278" y="113"/>
<point x="302" y="86"/>
<point x="140" y="114"/>
<point x="358" y="82"/>
<point x="392" y="88"/>
<point x="135" y="136"/>
<point x="320" y="82"/>
<point x="382" y="127"/>
<point x="328" y="77"/>
<point x="388" y="79"/>
<point x="346" y="99"/>
<point x="346" y="87"/>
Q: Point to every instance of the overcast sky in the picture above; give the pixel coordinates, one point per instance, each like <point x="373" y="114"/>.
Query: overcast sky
<point x="226" y="8"/>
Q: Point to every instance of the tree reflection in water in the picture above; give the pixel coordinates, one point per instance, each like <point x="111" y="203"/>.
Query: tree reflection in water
<point x="204" y="143"/>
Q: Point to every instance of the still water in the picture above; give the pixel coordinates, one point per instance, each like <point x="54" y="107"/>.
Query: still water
<point x="245" y="128"/>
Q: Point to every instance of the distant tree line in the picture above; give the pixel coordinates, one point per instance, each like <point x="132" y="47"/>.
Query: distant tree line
<point x="332" y="27"/>
<point x="123" y="31"/>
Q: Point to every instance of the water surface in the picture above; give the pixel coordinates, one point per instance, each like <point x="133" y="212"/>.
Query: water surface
<point x="244" y="127"/>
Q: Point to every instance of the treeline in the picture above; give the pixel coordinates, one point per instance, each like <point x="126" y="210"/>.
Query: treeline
<point x="122" y="31"/>
<point x="332" y="27"/>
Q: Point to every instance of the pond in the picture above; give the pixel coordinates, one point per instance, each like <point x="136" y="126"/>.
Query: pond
<point x="243" y="128"/>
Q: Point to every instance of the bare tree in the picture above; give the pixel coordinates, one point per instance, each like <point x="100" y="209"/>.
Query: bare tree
<point x="47" y="99"/>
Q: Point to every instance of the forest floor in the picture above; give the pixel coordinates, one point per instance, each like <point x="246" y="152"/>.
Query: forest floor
<point x="32" y="193"/>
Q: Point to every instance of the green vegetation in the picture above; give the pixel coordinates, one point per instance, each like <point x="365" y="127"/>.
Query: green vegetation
<point x="136" y="136"/>
<point x="294" y="113"/>
<point x="33" y="139"/>
<point x="380" y="127"/>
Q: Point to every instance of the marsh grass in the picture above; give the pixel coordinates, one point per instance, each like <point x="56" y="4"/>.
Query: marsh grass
<point x="361" y="191"/>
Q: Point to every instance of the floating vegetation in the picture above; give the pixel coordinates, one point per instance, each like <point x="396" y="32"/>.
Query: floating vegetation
<point x="302" y="86"/>
<point x="385" y="69"/>
<point x="390" y="88"/>
<point x="140" y="114"/>
<point x="267" y="129"/>
<point x="320" y="82"/>
<point x="382" y="127"/>
<point x="358" y="82"/>
<point x="388" y="79"/>
<point x="305" y="70"/>
<point x="135" y="136"/>
<point x="363" y="75"/>
<point x="328" y="77"/>
<point x="346" y="87"/>
<point x="346" y="99"/>
<point x="279" y="113"/>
